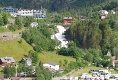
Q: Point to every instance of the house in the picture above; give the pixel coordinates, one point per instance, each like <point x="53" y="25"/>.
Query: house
<point x="9" y="9"/>
<point x="103" y="14"/>
<point x="28" y="61"/>
<point x="82" y="18"/>
<point x="39" y="13"/>
<point x="34" y="24"/>
<point x="114" y="62"/>
<point x="68" y="19"/>
<point x="6" y="61"/>
<point x="113" y="12"/>
<point x="51" y="66"/>
<point x="25" y="12"/>
<point x="103" y="17"/>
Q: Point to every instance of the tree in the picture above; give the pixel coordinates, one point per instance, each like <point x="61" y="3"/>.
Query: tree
<point x="34" y="56"/>
<point x="18" y="22"/>
<point x="5" y="19"/>
<point x="43" y="73"/>
<point x="9" y="71"/>
<point x="1" y="20"/>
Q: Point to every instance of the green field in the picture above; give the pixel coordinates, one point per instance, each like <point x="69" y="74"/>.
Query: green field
<point x="17" y="50"/>
<point x="14" y="49"/>
<point x="53" y="57"/>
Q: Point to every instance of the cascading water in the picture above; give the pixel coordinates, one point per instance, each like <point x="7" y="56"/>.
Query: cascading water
<point x="60" y="37"/>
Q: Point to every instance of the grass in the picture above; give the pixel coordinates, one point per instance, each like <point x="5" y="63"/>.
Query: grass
<point x="14" y="49"/>
<point x="1" y="73"/>
<point x="2" y="29"/>
<point x="53" y="57"/>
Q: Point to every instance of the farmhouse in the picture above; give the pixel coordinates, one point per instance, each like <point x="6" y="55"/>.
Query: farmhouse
<point x="6" y="61"/>
<point x="68" y="19"/>
<point x="27" y="60"/>
<point x="51" y="65"/>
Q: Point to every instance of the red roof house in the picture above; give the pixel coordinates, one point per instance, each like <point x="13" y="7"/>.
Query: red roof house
<point x="6" y="61"/>
<point x="68" y="19"/>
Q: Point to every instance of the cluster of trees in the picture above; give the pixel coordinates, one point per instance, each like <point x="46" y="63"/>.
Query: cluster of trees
<point x="3" y="18"/>
<point x="43" y="73"/>
<point x="94" y="34"/>
<point x="40" y="38"/>
<point x="9" y="71"/>
<point x="20" y="23"/>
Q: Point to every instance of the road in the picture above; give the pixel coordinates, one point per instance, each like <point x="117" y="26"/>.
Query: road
<point x="63" y="77"/>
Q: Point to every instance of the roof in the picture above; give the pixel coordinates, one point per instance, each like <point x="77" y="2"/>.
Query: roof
<point x="27" y="59"/>
<point x="52" y="63"/>
<point x="67" y="18"/>
<point x="115" y="60"/>
<point x="7" y="59"/>
<point x="34" y="24"/>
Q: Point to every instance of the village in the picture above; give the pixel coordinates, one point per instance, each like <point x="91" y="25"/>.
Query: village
<point x="54" y="67"/>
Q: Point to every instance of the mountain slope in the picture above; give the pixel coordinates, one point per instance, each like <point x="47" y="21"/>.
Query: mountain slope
<point x="14" y="49"/>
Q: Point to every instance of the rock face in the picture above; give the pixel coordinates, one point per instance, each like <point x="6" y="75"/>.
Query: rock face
<point x="60" y="37"/>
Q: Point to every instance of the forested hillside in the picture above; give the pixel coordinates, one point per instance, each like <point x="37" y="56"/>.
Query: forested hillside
<point x="61" y="5"/>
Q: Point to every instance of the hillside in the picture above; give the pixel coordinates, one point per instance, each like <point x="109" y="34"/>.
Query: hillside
<point x="58" y="5"/>
<point x="53" y="57"/>
<point x="14" y="48"/>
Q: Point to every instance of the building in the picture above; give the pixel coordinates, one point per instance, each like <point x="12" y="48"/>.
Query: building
<point x="9" y="9"/>
<point x="27" y="60"/>
<point x="114" y="62"/>
<point x="25" y="12"/>
<point x="39" y="13"/>
<point x="51" y="66"/>
<point x="34" y="24"/>
<point x="103" y="14"/>
<point x="68" y="19"/>
<point x="82" y="18"/>
<point x="6" y="61"/>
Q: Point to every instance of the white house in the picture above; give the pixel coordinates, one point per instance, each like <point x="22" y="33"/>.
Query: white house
<point x="103" y="12"/>
<point x="25" y="12"/>
<point x="51" y="65"/>
<point x="28" y="61"/>
<point x="34" y="24"/>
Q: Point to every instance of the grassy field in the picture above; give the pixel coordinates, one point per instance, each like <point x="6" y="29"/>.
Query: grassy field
<point x="17" y="50"/>
<point x="53" y="57"/>
<point x="14" y="49"/>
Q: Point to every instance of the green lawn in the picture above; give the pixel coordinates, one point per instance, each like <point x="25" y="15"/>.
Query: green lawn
<point x="53" y="57"/>
<point x="1" y="74"/>
<point x="14" y="49"/>
<point x="2" y="29"/>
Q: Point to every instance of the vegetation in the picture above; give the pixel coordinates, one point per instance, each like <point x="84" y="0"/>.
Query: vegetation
<point x="9" y="71"/>
<point x="43" y="73"/>
<point x="14" y="49"/>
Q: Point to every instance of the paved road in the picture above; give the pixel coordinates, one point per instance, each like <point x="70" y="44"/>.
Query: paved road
<point x="63" y="77"/>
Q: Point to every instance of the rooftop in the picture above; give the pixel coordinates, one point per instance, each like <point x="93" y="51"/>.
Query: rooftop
<point x="7" y="59"/>
<point x="52" y="63"/>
